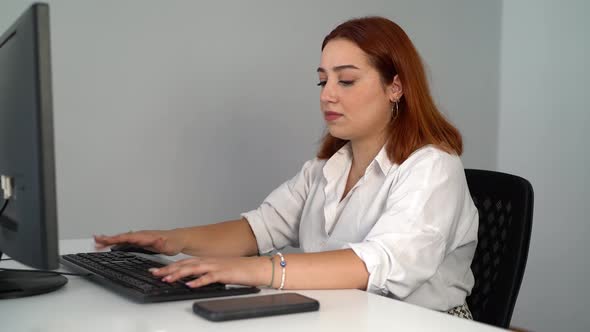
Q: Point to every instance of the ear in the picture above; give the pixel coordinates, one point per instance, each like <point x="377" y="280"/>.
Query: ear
<point x="395" y="89"/>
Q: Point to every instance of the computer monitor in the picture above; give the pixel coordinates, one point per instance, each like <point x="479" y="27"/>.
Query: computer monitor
<point x="28" y="217"/>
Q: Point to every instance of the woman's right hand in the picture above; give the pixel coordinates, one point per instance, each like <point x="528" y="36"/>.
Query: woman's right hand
<point x="167" y="242"/>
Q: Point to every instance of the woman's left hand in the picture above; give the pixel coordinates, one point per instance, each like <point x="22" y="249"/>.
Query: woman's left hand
<point x="247" y="271"/>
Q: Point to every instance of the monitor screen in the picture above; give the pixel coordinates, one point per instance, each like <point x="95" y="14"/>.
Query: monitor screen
<point x="28" y="217"/>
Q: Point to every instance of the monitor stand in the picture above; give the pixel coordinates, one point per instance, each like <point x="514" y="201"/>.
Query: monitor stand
<point x="14" y="284"/>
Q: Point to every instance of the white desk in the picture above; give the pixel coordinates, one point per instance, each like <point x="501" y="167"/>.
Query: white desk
<point x="84" y="306"/>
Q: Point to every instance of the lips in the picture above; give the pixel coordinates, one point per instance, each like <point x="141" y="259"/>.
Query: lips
<point x="331" y="116"/>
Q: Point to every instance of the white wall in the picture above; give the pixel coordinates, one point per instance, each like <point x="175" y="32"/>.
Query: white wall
<point x="177" y="113"/>
<point x="544" y="116"/>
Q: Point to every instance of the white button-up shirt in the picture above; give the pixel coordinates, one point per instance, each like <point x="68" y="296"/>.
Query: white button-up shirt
<point x="414" y="225"/>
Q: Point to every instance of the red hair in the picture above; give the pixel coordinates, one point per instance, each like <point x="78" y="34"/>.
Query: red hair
<point x="391" y="53"/>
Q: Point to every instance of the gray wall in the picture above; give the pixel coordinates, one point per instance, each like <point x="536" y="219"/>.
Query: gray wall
<point x="544" y="116"/>
<point x="177" y="113"/>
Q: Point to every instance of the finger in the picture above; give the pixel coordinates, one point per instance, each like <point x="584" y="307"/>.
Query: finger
<point x="98" y="241"/>
<point x="110" y="240"/>
<point x="168" y="269"/>
<point x="171" y="268"/>
<point x="138" y="238"/>
<point x="185" y="271"/>
<point x="204" y="280"/>
<point x="101" y="239"/>
<point x="99" y="246"/>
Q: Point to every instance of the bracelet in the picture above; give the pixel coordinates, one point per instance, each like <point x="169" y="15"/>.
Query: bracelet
<point x="272" y="278"/>
<point x="284" y="268"/>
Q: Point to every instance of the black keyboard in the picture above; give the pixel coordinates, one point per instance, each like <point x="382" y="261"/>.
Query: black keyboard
<point x="127" y="273"/>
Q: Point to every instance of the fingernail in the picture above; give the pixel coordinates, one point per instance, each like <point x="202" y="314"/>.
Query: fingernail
<point x="190" y="284"/>
<point x="153" y="269"/>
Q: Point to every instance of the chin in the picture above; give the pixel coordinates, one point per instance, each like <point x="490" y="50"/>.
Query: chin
<point x="339" y="133"/>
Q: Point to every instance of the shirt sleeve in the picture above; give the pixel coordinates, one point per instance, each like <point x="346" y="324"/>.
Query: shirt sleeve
<point x="409" y="241"/>
<point x="275" y="223"/>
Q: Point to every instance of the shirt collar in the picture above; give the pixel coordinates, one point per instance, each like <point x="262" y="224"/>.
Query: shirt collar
<point x="383" y="160"/>
<point x="342" y="159"/>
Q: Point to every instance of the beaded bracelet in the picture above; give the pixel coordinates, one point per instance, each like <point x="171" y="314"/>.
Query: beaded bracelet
<point x="284" y="268"/>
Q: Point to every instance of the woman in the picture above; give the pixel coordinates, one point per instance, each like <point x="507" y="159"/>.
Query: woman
<point x="384" y="207"/>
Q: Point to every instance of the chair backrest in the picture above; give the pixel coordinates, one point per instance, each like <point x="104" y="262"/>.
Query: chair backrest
<point x="505" y="205"/>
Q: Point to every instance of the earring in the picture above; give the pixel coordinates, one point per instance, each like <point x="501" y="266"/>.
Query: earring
<point x="395" y="110"/>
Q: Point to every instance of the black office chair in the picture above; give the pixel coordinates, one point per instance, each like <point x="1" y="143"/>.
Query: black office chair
<point x="505" y="205"/>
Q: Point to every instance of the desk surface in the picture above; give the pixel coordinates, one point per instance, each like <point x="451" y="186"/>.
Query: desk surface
<point x="84" y="306"/>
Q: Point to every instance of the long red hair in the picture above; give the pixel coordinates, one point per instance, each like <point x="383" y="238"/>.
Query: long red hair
<point x="392" y="53"/>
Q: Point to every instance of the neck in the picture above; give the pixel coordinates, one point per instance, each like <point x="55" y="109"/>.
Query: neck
<point x="363" y="152"/>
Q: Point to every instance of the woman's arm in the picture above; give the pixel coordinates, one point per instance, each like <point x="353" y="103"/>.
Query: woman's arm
<point x="339" y="269"/>
<point x="229" y="238"/>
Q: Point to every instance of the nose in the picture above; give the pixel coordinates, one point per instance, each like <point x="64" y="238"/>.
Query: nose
<point x="328" y="94"/>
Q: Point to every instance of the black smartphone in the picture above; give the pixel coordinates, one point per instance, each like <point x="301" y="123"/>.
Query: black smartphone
<point x="254" y="306"/>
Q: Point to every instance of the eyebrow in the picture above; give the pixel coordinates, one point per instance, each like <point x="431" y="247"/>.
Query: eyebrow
<point x="338" y="68"/>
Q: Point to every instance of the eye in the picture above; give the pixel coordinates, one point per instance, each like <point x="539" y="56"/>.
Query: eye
<point x="346" y="83"/>
<point x="322" y="83"/>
